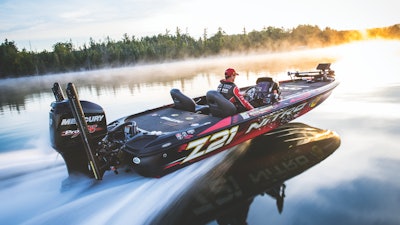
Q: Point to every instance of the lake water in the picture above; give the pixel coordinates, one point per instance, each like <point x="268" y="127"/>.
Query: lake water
<point x="358" y="184"/>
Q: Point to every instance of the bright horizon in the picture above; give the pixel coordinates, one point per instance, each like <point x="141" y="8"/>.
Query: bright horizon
<point x="38" y="25"/>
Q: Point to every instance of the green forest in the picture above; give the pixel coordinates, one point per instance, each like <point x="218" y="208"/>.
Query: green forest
<point x="65" y="57"/>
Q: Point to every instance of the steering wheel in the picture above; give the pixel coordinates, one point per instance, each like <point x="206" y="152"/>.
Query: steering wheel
<point x="249" y="94"/>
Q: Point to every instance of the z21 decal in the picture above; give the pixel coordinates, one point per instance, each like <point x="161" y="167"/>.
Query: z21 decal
<point x="213" y="142"/>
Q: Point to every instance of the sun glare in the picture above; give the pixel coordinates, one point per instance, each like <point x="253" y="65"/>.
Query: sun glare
<point x="366" y="69"/>
<point x="368" y="64"/>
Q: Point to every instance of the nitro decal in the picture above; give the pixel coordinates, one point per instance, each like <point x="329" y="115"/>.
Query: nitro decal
<point x="89" y="119"/>
<point x="75" y="133"/>
<point x="210" y="143"/>
<point x="278" y="116"/>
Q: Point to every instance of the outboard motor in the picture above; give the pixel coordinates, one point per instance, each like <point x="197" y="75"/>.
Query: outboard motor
<point x="65" y="136"/>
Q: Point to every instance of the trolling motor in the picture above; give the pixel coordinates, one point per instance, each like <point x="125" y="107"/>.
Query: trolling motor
<point x="323" y="73"/>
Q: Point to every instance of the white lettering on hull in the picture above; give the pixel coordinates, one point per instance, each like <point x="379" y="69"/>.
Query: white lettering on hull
<point x="89" y="119"/>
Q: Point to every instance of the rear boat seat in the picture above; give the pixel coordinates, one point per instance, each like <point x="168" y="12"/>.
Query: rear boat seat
<point x="183" y="102"/>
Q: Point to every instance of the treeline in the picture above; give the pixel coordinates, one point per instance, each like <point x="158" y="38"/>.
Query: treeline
<point x="163" y="47"/>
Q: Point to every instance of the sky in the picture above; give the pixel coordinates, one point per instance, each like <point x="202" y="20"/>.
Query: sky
<point x="38" y="24"/>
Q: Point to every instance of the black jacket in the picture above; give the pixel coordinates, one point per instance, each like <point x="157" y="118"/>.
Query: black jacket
<point x="231" y="92"/>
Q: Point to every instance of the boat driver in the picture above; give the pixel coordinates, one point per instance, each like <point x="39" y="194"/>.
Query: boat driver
<point x="230" y="91"/>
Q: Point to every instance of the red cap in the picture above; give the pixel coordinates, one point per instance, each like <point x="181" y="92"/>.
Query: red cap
<point x="230" y="72"/>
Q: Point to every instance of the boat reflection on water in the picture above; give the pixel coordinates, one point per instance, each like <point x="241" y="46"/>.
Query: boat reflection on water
<point x="266" y="162"/>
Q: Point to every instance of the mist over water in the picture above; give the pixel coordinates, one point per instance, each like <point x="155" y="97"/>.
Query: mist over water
<point x="357" y="184"/>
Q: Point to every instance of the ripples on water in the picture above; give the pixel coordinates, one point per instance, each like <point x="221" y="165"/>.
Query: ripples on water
<point x="358" y="184"/>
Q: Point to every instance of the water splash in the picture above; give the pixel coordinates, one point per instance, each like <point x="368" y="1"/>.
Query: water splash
<point x="32" y="192"/>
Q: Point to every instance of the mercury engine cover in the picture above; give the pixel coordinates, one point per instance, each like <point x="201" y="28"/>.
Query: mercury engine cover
<point x="65" y="136"/>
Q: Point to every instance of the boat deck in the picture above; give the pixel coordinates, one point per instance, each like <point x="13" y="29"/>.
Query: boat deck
<point x="298" y="87"/>
<point x="170" y="119"/>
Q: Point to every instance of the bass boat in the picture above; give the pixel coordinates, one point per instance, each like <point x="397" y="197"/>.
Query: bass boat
<point x="161" y="140"/>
